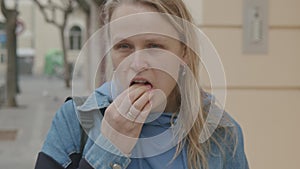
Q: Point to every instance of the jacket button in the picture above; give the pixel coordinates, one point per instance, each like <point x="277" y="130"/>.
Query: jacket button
<point x="116" y="166"/>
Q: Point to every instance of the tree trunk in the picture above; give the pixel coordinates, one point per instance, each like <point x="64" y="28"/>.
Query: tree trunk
<point x="11" y="74"/>
<point x="67" y="72"/>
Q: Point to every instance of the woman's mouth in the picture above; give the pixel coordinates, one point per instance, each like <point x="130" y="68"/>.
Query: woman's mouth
<point x="141" y="82"/>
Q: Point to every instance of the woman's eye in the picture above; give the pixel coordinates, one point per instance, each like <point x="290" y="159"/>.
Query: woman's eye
<point x="124" y="46"/>
<point x="155" y="46"/>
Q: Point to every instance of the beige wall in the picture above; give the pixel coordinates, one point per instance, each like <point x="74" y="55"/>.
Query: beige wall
<point x="264" y="90"/>
<point x="46" y="37"/>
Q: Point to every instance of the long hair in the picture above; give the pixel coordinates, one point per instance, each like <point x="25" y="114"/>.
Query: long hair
<point x="190" y="93"/>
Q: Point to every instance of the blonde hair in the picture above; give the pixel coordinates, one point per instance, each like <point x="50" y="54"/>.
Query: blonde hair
<point x="190" y="93"/>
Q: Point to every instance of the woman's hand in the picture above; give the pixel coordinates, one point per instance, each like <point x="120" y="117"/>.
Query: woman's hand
<point x="124" y="118"/>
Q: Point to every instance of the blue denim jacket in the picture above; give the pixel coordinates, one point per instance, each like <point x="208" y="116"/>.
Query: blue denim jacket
<point x="64" y="136"/>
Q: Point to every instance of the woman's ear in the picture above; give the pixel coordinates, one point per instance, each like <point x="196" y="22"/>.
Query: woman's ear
<point x="184" y="55"/>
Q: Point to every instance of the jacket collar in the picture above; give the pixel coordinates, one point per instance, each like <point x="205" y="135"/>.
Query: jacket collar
<point x="99" y="99"/>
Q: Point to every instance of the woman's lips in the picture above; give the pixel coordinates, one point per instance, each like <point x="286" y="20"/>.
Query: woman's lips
<point x="141" y="81"/>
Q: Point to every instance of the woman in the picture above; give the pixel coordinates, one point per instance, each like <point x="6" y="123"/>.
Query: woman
<point x="153" y="113"/>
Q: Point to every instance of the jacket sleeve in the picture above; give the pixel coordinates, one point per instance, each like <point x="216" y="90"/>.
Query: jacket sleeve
<point x="46" y="162"/>
<point x="61" y="149"/>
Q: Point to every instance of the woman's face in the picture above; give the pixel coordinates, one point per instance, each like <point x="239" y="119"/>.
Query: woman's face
<point x="145" y="58"/>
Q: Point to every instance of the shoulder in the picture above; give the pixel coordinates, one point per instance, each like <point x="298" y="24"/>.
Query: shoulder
<point x="63" y="137"/>
<point x="229" y="140"/>
<point x="67" y="111"/>
<point x="220" y="123"/>
<point x="229" y="131"/>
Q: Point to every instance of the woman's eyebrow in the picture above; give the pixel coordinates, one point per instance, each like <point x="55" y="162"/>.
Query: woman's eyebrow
<point x="156" y="39"/>
<point x="116" y="40"/>
<point x="147" y="39"/>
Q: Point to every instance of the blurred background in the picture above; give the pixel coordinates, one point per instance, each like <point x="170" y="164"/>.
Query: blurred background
<point x="258" y="42"/>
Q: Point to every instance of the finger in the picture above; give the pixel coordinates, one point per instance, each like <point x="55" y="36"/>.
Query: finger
<point x="137" y="90"/>
<point x="135" y="93"/>
<point x="141" y="118"/>
<point x="131" y="89"/>
<point x="119" y="122"/>
<point x="131" y="116"/>
<point x="138" y="106"/>
<point x="140" y="103"/>
<point x="125" y="101"/>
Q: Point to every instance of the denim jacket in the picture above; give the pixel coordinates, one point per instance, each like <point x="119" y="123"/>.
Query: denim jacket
<point x="61" y="148"/>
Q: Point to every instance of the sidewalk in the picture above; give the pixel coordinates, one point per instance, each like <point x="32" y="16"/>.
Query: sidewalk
<point x="39" y="99"/>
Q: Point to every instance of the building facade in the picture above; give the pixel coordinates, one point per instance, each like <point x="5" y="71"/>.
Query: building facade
<point x="36" y="37"/>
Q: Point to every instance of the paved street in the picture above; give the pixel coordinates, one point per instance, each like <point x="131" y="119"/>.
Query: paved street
<point x="38" y="102"/>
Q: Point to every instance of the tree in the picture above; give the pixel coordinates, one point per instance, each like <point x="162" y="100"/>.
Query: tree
<point x="11" y="73"/>
<point x="50" y="9"/>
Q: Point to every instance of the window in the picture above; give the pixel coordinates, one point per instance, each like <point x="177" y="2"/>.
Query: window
<point x="75" y="38"/>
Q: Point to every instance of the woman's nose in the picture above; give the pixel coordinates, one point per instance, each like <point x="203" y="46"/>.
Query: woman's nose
<point x="139" y="62"/>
